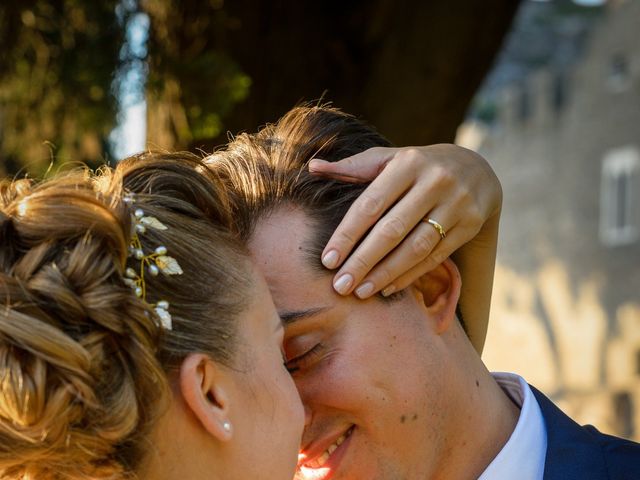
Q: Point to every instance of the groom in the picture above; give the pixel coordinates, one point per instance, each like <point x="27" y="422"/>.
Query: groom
<point x="393" y="388"/>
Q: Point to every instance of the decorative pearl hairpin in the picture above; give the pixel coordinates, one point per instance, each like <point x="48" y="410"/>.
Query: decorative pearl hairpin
<point x="153" y="263"/>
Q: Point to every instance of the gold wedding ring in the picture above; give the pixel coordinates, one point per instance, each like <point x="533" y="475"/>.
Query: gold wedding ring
<point x="437" y="226"/>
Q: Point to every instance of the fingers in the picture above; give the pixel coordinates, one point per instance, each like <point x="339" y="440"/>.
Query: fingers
<point x="362" y="167"/>
<point x="386" y="235"/>
<point x="439" y="254"/>
<point x="391" y="184"/>
<point x="407" y="278"/>
<point x="423" y="246"/>
<point x="451" y="186"/>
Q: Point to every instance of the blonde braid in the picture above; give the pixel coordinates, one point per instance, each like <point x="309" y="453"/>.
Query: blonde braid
<point x="84" y="364"/>
<point x="77" y="350"/>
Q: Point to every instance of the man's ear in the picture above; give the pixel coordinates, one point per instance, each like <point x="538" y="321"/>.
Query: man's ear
<point x="204" y="385"/>
<point x="439" y="290"/>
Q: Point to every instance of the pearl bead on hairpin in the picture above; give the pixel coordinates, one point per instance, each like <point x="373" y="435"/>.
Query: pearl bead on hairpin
<point x="154" y="263"/>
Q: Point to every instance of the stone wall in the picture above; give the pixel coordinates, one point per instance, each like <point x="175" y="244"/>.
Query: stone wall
<point x="566" y="310"/>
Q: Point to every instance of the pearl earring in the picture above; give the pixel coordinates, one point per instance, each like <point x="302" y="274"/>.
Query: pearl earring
<point x="226" y="426"/>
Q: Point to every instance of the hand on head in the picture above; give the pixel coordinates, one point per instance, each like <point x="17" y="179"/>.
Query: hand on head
<point x="383" y="239"/>
<point x="422" y="205"/>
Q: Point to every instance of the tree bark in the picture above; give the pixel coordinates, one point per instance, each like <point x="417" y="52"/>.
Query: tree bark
<point x="408" y="67"/>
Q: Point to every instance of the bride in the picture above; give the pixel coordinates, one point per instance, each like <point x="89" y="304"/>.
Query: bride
<point x="136" y="337"/>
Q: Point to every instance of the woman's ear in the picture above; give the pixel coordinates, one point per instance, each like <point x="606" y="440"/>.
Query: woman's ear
<point x="204" y="385"/>
<point x="439" y="291"/>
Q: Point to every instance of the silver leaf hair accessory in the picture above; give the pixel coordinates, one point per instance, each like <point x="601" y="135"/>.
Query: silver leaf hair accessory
<point x="152" y="263"/>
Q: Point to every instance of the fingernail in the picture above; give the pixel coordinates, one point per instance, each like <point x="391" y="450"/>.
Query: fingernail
<point x="331" y="258"/>
<point x="364" y="290"/>
<point x="317" y="162"/>
<point x="388" y="290"/>
<point x="343" y="284"/>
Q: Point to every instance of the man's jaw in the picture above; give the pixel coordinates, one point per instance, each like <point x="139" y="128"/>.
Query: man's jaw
<point x="320" y="459"/>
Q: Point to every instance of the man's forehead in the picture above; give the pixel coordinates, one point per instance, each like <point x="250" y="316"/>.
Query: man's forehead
<point x="280" y="236"/>
<point x="278" y="247"/>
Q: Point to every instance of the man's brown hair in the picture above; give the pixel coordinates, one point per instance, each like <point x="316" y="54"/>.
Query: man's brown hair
<point x="268" y="169"/>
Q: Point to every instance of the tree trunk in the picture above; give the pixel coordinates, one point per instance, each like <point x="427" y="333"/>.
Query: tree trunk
<point x="408" y="67"/>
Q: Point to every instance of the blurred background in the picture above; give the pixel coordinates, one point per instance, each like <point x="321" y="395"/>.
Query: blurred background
<point x="547" y="91"/>
<point x="558" y="117"/>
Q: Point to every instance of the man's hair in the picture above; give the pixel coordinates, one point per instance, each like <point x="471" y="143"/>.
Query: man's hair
<point x="268" y="170"/>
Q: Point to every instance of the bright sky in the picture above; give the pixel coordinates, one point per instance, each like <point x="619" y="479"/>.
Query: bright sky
<point x="129" y="136"/>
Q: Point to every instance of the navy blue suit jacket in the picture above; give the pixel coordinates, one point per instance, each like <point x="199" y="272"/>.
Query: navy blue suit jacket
<point x="583" y="453"/>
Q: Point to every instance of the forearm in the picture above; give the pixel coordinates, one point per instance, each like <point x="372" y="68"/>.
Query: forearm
<point x="476" y="262"/>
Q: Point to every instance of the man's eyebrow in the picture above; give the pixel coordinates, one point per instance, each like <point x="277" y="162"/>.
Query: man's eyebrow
<point x="289" y="317"/>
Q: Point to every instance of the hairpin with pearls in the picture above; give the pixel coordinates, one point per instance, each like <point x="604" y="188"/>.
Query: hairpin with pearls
<point x="153" y="263"/>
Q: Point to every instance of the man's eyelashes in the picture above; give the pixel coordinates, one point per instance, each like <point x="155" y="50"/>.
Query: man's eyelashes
<point x="304" y="360"/>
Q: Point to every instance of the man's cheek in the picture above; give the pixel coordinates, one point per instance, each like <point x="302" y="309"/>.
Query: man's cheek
<point x="337" y="380"/>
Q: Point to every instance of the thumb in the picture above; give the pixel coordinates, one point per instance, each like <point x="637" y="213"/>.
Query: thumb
<point x="363" y="167"/>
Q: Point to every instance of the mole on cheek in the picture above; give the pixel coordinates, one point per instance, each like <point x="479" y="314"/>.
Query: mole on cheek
<point x="403" y="418"/>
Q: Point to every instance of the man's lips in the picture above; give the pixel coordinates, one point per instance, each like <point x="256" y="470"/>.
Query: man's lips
<point x="320" y="452"/>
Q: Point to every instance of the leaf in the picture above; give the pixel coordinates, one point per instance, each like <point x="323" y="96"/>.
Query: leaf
<point x="168" y="265"/>
<point x="165" y="318"/>
<point x="153" y="222"/>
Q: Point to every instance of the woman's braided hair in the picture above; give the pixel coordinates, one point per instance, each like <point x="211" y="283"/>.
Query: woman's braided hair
<point x="84" y="364"/>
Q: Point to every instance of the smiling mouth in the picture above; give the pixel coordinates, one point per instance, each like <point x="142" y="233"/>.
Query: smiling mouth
<point x="321" y="460"/>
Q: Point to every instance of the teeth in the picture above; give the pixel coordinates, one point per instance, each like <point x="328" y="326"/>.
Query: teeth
<point x="322" y="459"/>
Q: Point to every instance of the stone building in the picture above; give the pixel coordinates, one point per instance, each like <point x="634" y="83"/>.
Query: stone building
<point x="566" y="146"/>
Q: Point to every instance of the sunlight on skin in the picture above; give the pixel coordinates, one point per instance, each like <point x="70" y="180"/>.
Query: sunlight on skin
<point x="306" y="473"/>
<point x="312" y="473"/>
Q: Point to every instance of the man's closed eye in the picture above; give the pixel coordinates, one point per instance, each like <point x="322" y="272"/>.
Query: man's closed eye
<point x="306" y="359"/>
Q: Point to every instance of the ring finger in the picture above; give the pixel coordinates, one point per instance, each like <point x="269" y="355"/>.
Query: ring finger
<point x="417" y="248"/>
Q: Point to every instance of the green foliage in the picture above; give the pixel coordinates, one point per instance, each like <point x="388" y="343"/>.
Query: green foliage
<point x="193" y="81"/>
<point x="59" y="58"/>
<point x="58" y="61"/>
<point x="56" y="68"/>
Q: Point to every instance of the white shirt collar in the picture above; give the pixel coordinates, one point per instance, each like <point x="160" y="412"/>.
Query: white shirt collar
<point x="523" y="456"/>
